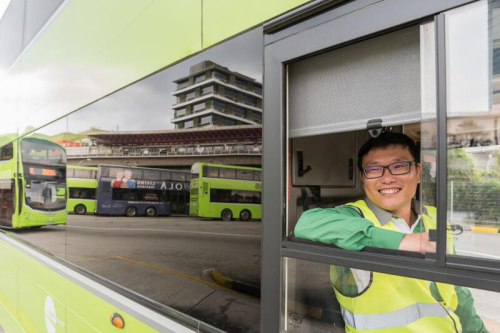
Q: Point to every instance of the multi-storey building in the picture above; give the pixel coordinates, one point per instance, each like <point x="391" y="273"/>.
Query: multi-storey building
<point x="214" y="95"/>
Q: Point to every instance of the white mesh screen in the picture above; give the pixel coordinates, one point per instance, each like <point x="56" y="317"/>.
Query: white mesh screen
<point x="341" y="90"/>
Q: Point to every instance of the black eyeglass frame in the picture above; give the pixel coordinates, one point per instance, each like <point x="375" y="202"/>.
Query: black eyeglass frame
<point x="388" y="167"/>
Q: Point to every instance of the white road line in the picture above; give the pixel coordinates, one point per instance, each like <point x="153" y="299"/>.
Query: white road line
<point x="166" y="230"/>
<point x="479" y="254"/>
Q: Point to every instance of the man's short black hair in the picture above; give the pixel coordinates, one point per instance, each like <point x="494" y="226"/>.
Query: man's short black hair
<point x="385" y="140"/>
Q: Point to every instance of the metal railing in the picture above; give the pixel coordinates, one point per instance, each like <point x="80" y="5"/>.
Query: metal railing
<point x="253" y="151"/>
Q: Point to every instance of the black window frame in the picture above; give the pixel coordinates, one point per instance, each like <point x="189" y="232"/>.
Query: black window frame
<point x="302" y="33"/>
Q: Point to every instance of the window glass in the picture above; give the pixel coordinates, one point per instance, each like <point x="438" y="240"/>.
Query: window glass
<point x="182" y="84"/>
<point x="249" y="100"/>
<point x="212" y="172"/>
<point x="227" y="173"/>
<point x="219" y="105"/>
<point x="206" y="120"/>
<point x="225" y="121"/>
<point x="129" y="134"/>
<point x="232" y="94"/>
<point x="83" y="173"/>
<point x="82" y="193"/>
<point x="207" y="90"/>
<point x="190" y="95"/>
<point x="199" y="78"/>
<point x="198" y="107"/>
<point x="7" y="152"/>
<point x="327" y="298"/>
<point x="473" y="128"/>
<point x="180" y="113"/>
<point x="151" y="175"/>
<point x="244" y="174"/>
<point x="221" y="76"/>
<point x="241" y="83"/>
<point x="338" y="180"/>
<point x="239" y="111"/>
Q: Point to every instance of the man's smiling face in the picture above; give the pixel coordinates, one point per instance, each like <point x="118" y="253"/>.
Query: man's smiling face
<point x="391" y="192"/>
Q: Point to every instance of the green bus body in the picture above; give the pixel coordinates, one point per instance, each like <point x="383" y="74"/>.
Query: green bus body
<point x="32" y="183"/>
<point x="82" y="189"/>
<point x="226" y="192"/>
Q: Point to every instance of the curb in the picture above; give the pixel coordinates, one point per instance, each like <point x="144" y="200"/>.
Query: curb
<point x="235" y="285"/>
<point x="489" y="230"/>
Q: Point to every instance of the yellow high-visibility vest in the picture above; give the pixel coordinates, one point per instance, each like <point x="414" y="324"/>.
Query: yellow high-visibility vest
<point x="395" y="304"/>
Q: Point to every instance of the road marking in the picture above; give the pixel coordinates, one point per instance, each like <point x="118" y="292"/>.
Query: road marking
<point x="179" y="274"/>
<point x="166" y="230"/>
<point x="478" y="254"/>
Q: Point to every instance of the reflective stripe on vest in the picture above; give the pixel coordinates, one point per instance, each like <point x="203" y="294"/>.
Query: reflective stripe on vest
<point x="393" y="319"/>
<point x="412" y="309"/>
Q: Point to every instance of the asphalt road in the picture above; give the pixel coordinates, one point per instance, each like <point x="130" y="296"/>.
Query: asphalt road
<point x="169" y="260"/>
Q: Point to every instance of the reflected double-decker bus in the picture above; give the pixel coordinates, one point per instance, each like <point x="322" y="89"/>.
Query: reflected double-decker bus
<point x="32" y="183"/>
<point x="225" y="192"/>
<point x="132" y="191"/>
<point x="82" y="189"/>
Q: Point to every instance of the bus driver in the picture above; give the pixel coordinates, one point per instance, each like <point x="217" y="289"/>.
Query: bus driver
<point x="389" y="217"/>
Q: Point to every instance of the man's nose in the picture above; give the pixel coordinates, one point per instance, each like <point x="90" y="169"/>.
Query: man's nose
<point x="387" y="176"/>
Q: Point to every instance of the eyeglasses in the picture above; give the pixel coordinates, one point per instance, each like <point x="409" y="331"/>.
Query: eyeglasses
<point x="396" y="169"/>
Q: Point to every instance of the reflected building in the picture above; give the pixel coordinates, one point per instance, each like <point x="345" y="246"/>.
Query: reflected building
<point x="213" y="95"/>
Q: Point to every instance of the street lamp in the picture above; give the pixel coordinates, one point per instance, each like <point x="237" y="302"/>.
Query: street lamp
<point x="87" y="159"/>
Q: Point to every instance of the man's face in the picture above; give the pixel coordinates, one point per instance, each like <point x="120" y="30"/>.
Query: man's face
<point x="391" y="192"/>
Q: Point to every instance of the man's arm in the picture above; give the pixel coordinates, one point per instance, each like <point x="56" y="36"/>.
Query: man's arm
<point x="470" y="320"/>
<point x="344" y="227"/>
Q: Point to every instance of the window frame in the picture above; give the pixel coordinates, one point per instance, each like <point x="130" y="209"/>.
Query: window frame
<point x="292" y="37"/>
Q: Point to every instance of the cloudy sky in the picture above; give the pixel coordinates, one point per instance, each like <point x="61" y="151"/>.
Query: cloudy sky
<point x="147" y="104"/>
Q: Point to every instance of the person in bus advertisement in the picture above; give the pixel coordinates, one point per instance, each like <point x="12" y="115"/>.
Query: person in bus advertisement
<point x="123" y="180"/>
<point x="389" y="217"/>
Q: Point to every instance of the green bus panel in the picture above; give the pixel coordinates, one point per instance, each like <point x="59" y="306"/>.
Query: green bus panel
<point x="93" y="48"/>
<point x="225" y="18"/>
<point x="35" y="297"/>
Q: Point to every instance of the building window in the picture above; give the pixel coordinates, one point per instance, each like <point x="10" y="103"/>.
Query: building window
<point x="249" y="100"/>
<point x="219" y="105"/>
<point x="225" y="121"/>
<point x="207" y="90"/>
<point x="182" y="85"/>
<point x="257" y="117"/>
<point x="206" y="120"/>
<point x="198" y="107"/>
<point x="199" y="78"/>
<point x="231" y="94"/>
<point x="221" y="76"/>
<point x="189" y="124"/>
<point x="180" y="113"/>
<point x="239" y="111"/>
<point x="190" y="95"/>
<point x="241" y="83"/>
<point x="257" y="90"/>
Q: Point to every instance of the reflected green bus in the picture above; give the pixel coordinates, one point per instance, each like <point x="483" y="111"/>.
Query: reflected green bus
<point x="82" y="189"/>
<point x="226" y="192"/>
<point x="32" y="183"/>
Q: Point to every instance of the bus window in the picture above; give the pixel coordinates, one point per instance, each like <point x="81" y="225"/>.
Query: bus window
<point x="6" y="152"/>
<point x="244" y="174"/>
<point x="165" y="175"/>
<point x="82" y="173"/>
<point x="212" y="172"/>
<point x="151" y="174"/>
<point x="227" y="173"/>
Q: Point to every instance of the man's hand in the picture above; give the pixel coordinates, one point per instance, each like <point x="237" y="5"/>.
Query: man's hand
<point x="417" y="242"/>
